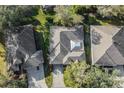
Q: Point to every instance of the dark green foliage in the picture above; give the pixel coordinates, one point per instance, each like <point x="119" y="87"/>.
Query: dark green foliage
<point x="12" y="16"/>
<point x="17" y="84"/>
<point x="87" y="43"/>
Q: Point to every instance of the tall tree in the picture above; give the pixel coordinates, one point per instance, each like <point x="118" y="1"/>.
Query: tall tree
<point x="110" y="10"/>
<point x="79" y="74"/>
<point x="16" y="15"/>
<point x="65" y="15"/>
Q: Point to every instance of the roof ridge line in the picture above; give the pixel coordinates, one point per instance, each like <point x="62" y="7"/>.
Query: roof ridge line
<point x="64" y="47"/>
<point x="54" y="47"/>
<point x="110" y="58"/>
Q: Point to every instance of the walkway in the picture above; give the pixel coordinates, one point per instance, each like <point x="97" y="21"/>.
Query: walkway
<point x="58" y="81"/>
<point x="36" y="77"/>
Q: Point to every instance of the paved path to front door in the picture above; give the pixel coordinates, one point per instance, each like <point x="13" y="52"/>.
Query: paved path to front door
<point x="58" y="81"/>
<point x="36" y="77"/>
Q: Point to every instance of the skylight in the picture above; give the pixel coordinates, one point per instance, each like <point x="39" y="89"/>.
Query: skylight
<point x="75" y="45"/>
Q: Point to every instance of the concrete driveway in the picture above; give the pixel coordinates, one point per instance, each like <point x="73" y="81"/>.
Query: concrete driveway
<point x="36" y="77"/>
<point x="58" y="81"/>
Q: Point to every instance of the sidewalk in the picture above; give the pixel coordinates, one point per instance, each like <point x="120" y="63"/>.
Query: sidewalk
<point x="58" y="81"/>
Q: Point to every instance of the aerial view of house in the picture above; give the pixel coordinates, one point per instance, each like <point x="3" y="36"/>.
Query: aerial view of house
<point x="22" y="55"/>
<point x="66" y="45"/>
<point x="61" y="46"/>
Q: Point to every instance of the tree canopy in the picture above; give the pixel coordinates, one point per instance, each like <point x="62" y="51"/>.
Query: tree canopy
<point x="65" y="15"/>
<point x="16" y="15"/>
<point x="110" y="10"/>
<point x="79" y="74"/>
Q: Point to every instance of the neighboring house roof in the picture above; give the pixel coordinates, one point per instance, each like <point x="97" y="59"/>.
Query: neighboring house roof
<point x="119" y="40"/>
<point x="22" y="41"/>
<point x="103" y="47"/>
<point x="64" y="46"/>
<point x="112" y="57"/>
<point x="26" y="40"/>
<point x="25" y="43"/>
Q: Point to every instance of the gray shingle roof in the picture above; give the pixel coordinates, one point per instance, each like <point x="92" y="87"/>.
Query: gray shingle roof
<point x="109" y="30"/>
<point x="115" y="55"/>
<point x="26" y="40"/>
<point x="59" y="59"/>
<point x="72" y="35"/>
<point x="63" y="36"/>
<point x="65" y="40"/>
<point x="107" y="51"/>
<point x="23" y="43"/>
<point x="105" y="61"/>
<point x="119" y="40"/>
<point x="112" y="57"/>
<point x="69" y="36"/>
<point x="35" y="59"/>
